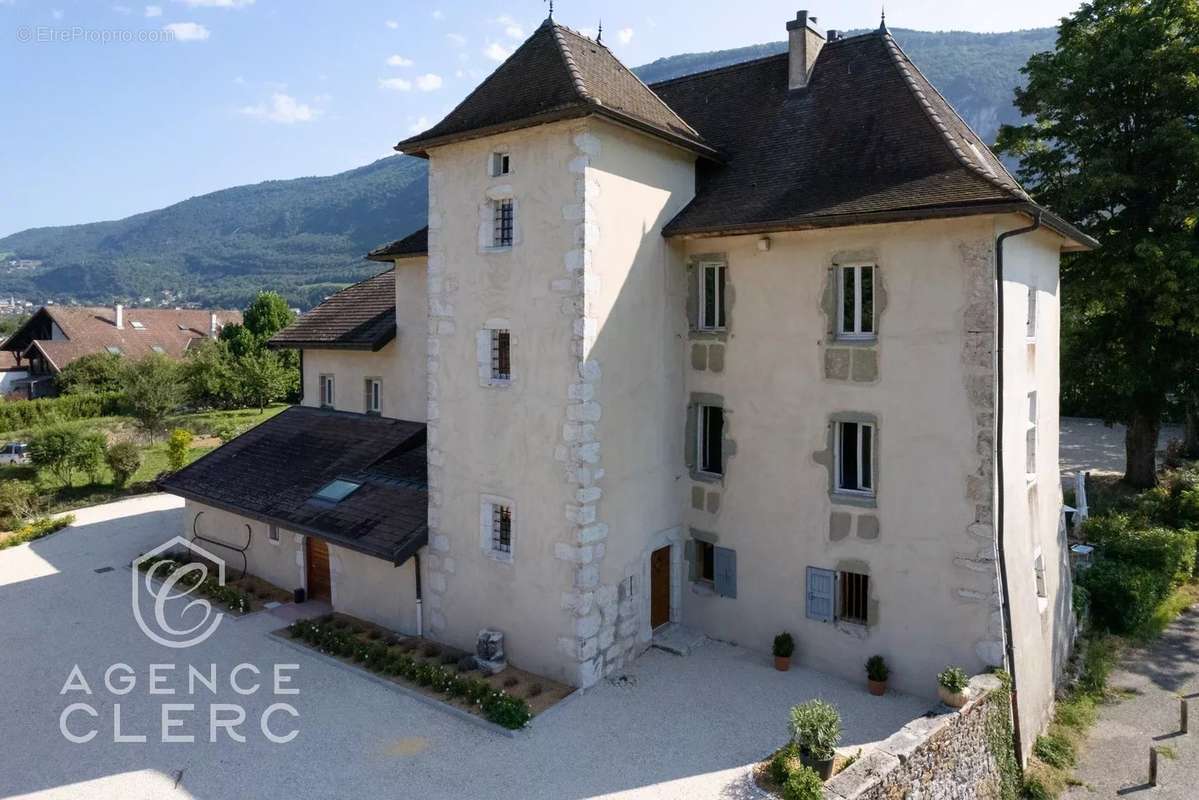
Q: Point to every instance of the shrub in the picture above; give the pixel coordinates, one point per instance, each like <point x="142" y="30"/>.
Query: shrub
<point x="1123" y="596"/>
<point x="57" y="450"/>
<point x="178" y="445"/>
<point x="816" y="728"/>
<point x="153" y="392"/>
<point x="784" y="645"/>
<point x="1161" y="550"/>
<point x="510" y="712"/>
<point x="55" y="410"/>
<point x="90" y="456"/>
<point x="1055" y="750"/>
<point x="803" y="784"/>
<point x="124" y="460"/>
<point x="18" y="500"/>
<point x="784" y="762"/>
<point x="954" y="679"/>
<point x="36" y="530"/>
<point x="877" y="669"/>
<point x="90" y="374"/>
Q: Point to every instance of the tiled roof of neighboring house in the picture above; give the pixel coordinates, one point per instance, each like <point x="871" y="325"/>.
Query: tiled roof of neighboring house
<point x="414" y="244"/>
<point x="8" y="361"/>
<point x="359" y="317"/>
<point x="868" y="137"/>
<point x="89" y="329"/>
<point x="557" y="74"/>
<point x="273" y="471"/>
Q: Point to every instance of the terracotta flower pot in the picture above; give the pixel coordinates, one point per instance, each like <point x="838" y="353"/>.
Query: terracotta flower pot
<point x="782" y="663"/>
<point x="877" y="688"/>
<point x="952" y="699"/>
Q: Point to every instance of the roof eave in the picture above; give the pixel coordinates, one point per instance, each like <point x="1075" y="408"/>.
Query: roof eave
<point x="372" y="346"/>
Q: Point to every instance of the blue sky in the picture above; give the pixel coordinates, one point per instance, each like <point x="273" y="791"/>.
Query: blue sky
<point x="250" y="90"/>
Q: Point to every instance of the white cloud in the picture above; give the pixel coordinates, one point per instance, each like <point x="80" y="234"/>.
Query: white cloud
<point x="456" y="39"/>
<point x="153" y="11"/>
<point x="625" y="35"/>
<point x="395" y="84"/>
<point x="496" y="51"/>
<point x="429" y="82"/>
<point x="437" y="15"/>
<point x="283" y="109"/>
<point x="511" y="27"/>
<point x="187" y="31"/>
<point x="421" y="124"/>
<point x="399" y="61"/>
<point x="391" y="23"/>
<point x="216" y="3"/>
<point x="56" y="13"/>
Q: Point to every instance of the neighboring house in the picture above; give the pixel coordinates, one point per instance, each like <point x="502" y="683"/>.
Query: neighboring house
<point x="12" y="373"/>
<point x="54" y="336"/>
<point x="719" y="352"/>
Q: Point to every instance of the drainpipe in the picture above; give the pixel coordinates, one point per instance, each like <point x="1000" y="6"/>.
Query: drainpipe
<point x="1009" y="647"/>
<point x="419" y="610"/>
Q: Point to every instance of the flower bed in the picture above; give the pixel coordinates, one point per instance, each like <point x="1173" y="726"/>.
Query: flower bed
<point x="431" y="668"/>
<point x="244" y="595"/>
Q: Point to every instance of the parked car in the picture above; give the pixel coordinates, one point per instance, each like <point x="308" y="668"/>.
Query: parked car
<point x="14" y="453"/>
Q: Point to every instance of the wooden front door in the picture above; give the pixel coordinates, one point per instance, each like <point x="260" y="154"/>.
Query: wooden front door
<point x="659" y="587"/>
<point x="320" y="585"/>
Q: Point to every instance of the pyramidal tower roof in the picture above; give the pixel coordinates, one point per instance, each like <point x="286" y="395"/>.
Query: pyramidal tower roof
<point x="557" y="74"/>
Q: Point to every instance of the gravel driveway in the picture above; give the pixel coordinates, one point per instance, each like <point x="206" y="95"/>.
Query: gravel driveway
<point x="682" y="727"/>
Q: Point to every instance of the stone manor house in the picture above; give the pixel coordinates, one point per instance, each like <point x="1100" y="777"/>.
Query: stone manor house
<point x="771" y="347"/>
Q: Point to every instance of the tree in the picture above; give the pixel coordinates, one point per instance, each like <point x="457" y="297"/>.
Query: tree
<point x="1114" y="147"/>
<point x="208" y="376"/>
<point x="124" y="459"/>
<point x="153" y="392"/>
<point x="97" y="372"/>
<point x="267" y="315"/>
<point x="89" y="457"/>
<point x="57" y="450"/>
<point x="265" y="378"/>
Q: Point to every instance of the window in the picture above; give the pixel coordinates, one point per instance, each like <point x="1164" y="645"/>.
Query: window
<point x="501" y="528"/>
<point x="1030" y="329"/>
<point x="337" y="490"/>
<point x="705" y="561"/>
<point x="157" y="349"/>
<point x="854" y="595"/>
<point x="272" y="533"/>
<point x="137" y="326"/>
<point x="500" y="164"/>
<point x="326" y="391"/>
<point x="715" y="567"/>
<point x="501" y="355"/>
<point x="1038" y="566"/>
<point x="711" y="296"/>
<point x="112" y="348"/>
<point x="855" y="312"/>
<point x="1030" y="436"/>
<point x="502" y="214"/>
<point x="374" y="395"/>
<point x="711" y="440"/>
<point x="854" y="449"/>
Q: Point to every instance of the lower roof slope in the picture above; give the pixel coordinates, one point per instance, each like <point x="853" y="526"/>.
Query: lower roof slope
<point x="414" y="244"/>
<point x="272" y="472"/>
<point x="359" y="317"/>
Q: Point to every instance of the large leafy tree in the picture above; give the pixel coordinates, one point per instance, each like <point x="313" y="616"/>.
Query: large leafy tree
<point x="154" y="391"/>
<point x="95" y="372"/>
<point x="1114" y="146"/>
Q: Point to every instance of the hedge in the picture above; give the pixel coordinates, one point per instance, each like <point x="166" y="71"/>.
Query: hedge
<point x="22" y="414"/>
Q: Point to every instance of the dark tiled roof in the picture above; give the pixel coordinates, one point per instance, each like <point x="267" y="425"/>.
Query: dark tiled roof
<point x="868" y="135"/>
<point x="414" y="244"/>
<point x="93" y="329"/>
<point x="271" y="473"/>
<point x="557" y="74"/>
<point x="359" y="317"/>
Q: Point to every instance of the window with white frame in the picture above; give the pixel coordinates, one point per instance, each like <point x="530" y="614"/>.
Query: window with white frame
<point x="373" y="391"/>
<point x="855" y="311"/>
<point x="1030" y="437"/>
<point x="501" y="164"/>
<point x="502" y="215"/>
<point x="711" y="296"/>
<point x="501" y="355"/>
<point x="1030" y="324"/>
<point x="854" y="454"/>
<point x="326" y="388"/>
<point x="711" y="439"/>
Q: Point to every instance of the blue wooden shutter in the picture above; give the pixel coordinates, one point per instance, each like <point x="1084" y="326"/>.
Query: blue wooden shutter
<point x="821" y="587"/>
<point x="725" y="569"/>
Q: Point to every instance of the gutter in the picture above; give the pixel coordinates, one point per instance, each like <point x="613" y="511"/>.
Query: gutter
<point x="1006" y="606"/>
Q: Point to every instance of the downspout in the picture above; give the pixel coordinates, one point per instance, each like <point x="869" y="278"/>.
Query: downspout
<point x="1009" y="647"/>
<point x="419" y="610"/>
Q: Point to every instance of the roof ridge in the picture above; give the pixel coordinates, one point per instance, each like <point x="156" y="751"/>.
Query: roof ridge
<point x="714" y="70"/>
<point x="352" y="285"/>
<point x="576" y="75"/>
<point x="906" y="67"/>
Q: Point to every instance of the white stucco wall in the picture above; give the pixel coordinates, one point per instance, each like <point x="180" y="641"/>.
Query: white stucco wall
<point x="374" y="589"/>
<point x="278" y="563"/>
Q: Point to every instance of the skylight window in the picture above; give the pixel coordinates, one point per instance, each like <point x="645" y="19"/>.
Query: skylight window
<point x="112" y="348"/>
<point x="137" y="326"/>
<point x="157" y="349"/>
<point x="336" y="491"/>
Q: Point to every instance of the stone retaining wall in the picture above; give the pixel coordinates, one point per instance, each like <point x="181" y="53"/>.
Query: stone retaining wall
<point x="946" y="755"/>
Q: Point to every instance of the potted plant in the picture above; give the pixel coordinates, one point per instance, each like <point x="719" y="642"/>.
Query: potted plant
<point x="784" y="646"/>
<point x="951" y="686"/>
<point x="816" y="729"/>
<point x="877" y="673"/>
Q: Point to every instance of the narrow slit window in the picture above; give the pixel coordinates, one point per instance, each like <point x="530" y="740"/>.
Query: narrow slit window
<point x="712" y="300"/>
<point x="854" y="597"/>
<point x="1030" y="436"/>
<point x="326" y="387"/>
<point x="855" y="312"/>
<point x="500" y="164"/>
<point x="503" y="223"/>
<point x="1039" y="572"/>
<point x="706" y="554"/>
<point x="1030" y="330"/>
<point x="711" y="439"/>
<point x="374" y="395"/>
<point x="501" y="355"/>
<point x="855" y="457"/>
<point x="501" y="528"/>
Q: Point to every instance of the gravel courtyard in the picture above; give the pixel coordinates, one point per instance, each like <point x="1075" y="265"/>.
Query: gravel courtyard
<point x="682" y="727"/>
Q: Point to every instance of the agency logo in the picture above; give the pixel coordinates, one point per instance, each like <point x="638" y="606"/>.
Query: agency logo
<point x="171" y="571"/>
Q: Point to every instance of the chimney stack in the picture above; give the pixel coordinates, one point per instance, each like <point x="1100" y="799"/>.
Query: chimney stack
<point x="805" y="43"/>
<point x="213" y="328"/>
<point x="120" y="317"/>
